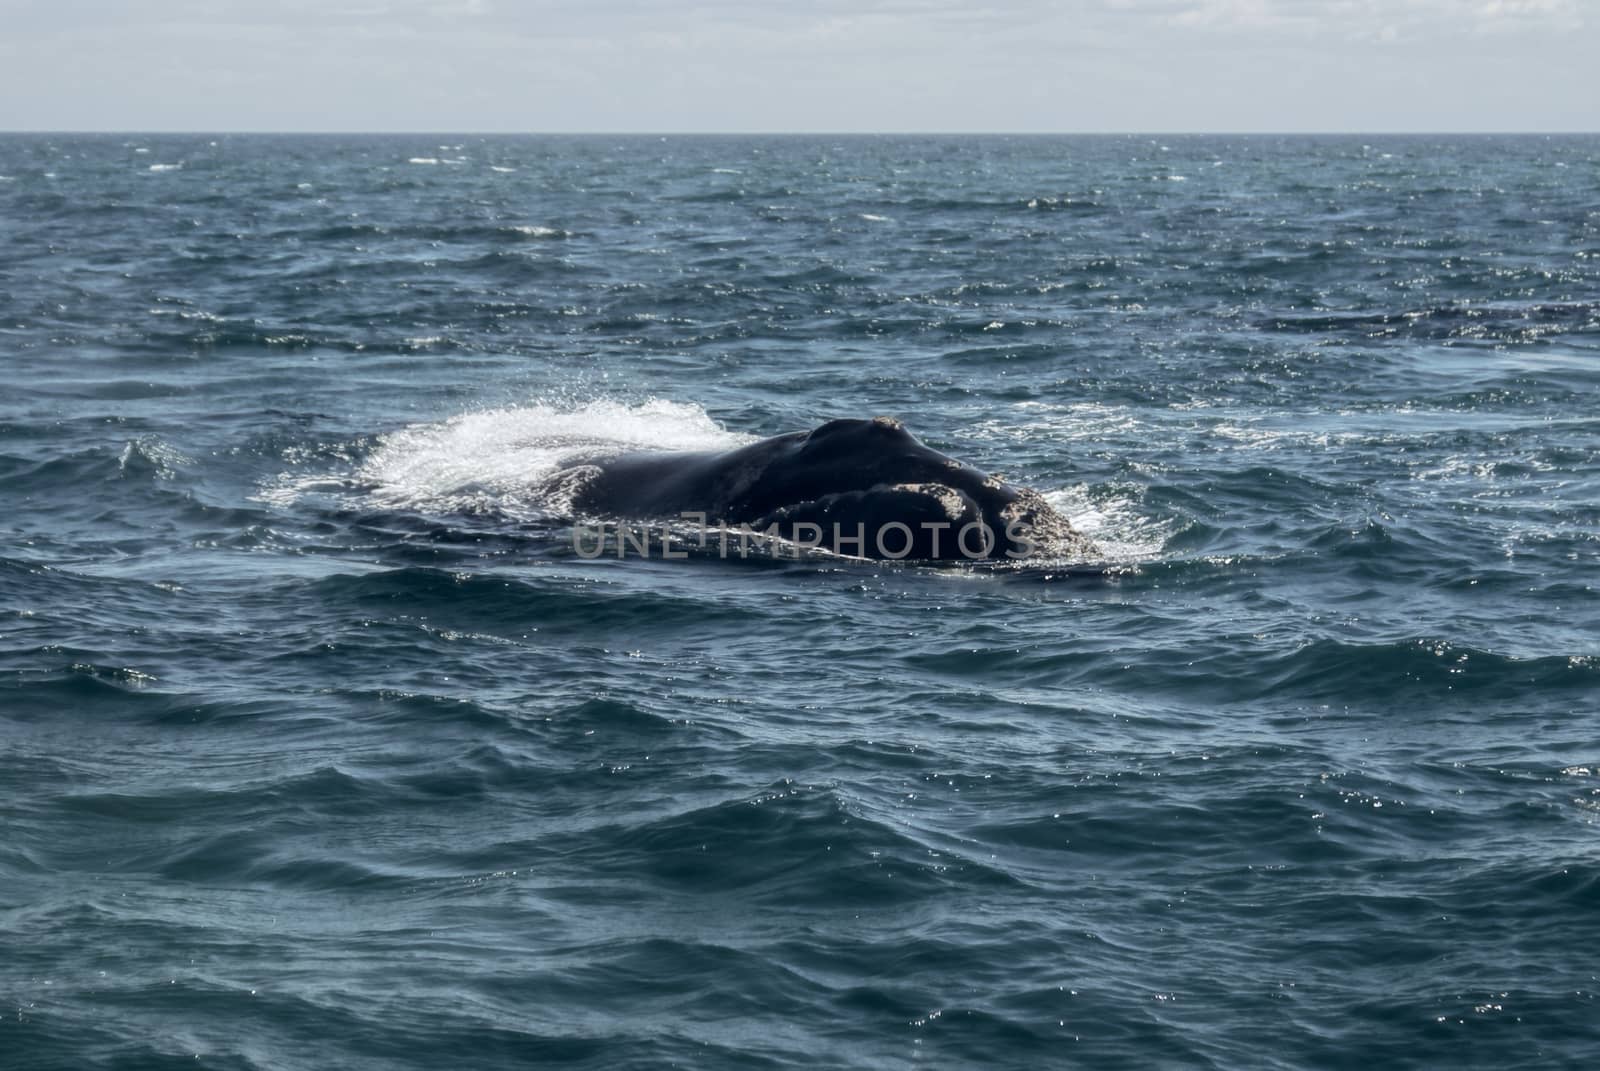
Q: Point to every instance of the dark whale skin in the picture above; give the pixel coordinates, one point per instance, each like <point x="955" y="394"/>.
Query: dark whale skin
<point x="863" y="476"/>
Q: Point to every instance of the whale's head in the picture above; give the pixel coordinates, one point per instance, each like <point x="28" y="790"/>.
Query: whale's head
<point x="876" y="472"/>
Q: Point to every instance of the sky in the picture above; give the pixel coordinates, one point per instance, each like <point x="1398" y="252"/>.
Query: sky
<point x="800" y="65"/>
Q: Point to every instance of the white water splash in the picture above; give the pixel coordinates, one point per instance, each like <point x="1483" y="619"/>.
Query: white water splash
<point x="1112" y="517"/>
<point x="1123" y="533"/>
<point x="494" y="460"/>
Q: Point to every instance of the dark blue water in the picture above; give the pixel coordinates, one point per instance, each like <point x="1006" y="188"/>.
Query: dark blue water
<point x="322" y="748"/>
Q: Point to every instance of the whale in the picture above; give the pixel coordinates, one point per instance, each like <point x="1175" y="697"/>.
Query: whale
<point x="860" y="488"/>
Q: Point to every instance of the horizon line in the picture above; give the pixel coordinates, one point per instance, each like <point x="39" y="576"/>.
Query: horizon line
<point x="806" y="133"/>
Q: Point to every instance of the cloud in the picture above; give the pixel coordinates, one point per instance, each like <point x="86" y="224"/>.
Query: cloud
<point x="802" y="64"/>
<point x="1357" y="17"/>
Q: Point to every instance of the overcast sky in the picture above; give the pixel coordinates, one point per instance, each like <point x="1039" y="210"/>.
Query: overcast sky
<point x="800" y="65"/>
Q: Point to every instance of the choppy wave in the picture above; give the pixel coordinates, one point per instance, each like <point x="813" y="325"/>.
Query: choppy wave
<point x="1483" y="321"/>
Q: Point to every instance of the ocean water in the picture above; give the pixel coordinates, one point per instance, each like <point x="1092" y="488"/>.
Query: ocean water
<point x="321" y="747"/>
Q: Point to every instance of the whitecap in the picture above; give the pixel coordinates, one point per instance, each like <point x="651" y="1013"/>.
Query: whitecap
<point x="166" y="167"/>
<point x="423" y="160"/>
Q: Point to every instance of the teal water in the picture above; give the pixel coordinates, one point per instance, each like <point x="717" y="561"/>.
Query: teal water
<point x="322" y="748"/>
